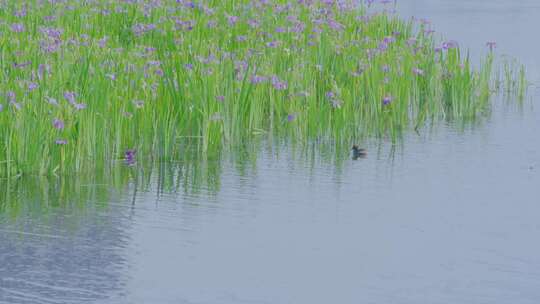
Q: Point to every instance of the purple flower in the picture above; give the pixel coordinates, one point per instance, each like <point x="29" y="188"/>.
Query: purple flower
<point x="335" y="25"/>
<point x="13" y="100"/>
<point x="17" y="27"/>
<point x="491" y="45"/>
<point x="103" y="42"/>
<point x="272" y="44"/>
<point x="50" y="46"/>
<point x="232" y="20"/>
<point x="387" y="100"/>
<point x="253" y="23"/>
<point x="139" y="29"/>
<point x="70" y="96"/>
<point x="61" y="142"/>
<point x="220" y="98"/>
<point x="279" y="84"/>
<point x="1" y="107"/>
<point x="129" y="156"/>
<point x="389" y="39"/>
<point x="21" y="65"/>
<point x="211" y="24"/>
<point x="58" y="124"/>
<point x="450" y="45"/>
<point x="11" y="96"/>
<point x="32" y="86"/>
<point x="42" y="69"/>
<point x="418" y="72"/>
<point x="291" y="117"/>
<point x="79" y="106"/>
<point x="188" y="66"/>
<point x="256" y="79"/>
<point x="184" y="25"/>
<point x="336" y="103"/>
<point x="21" y="13"/>
<point x="52" y="33"/>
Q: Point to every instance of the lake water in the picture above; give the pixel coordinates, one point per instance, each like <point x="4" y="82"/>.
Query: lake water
<point x="451" y="215"/>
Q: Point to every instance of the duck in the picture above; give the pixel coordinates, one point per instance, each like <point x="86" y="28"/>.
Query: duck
<point x="358" y="152"/>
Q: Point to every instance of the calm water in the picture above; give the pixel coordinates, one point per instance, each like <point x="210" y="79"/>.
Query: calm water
<point x="449" y="216"/>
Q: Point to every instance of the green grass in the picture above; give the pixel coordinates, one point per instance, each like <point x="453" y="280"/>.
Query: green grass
<point x="152" y="77"/>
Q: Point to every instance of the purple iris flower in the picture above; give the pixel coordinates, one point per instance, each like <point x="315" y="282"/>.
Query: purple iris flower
<point x="1" y="107"/>
<point x="103" y="42"/>
<point x="450" y="45"/>
<point x="279" y="84"/>
<point x="255" y="79"/>
<point x="61" y="142"/>
<point x="336" y="26"/>
<point x="387" y="100"/>
<point x="253" y="23"/>
<point x="129" y="156"/>
<point x="418" y="72"/>
<point x="11" y="96"/>
<point x="13" y="100"/>
<point x="58" y="124"/>
<point x="70" y="96"/>
<point x="336" y="103"/>
<point x="232" y="20"/>
<point x="17" y="27"/>
<point x="291" y="117"/>
<point x="21" y="65"/>
<point x="32" y="86"/>
<point x="79" y="106"/>
<point x="272" y="44"/>
<point x="21" y="13"/>
<point x="389" y="39"/>
<point x="491" y="45"/>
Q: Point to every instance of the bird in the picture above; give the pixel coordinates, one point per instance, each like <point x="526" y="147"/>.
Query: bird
<point x="358" y="152"/>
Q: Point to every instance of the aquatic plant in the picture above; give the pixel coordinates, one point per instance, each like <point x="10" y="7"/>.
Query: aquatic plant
<point x="118" y="77"/>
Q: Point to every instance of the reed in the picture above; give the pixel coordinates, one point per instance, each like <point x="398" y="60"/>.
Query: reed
<point x="85" y="84"/>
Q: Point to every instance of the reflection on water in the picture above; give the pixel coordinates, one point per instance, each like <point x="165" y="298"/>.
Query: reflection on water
<point x="448" y="215"/>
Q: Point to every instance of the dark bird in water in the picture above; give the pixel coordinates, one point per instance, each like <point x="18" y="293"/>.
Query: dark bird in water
<point x="358" y="152"/>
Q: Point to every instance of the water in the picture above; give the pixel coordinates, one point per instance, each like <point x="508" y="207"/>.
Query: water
<point x="450" y="216"/>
